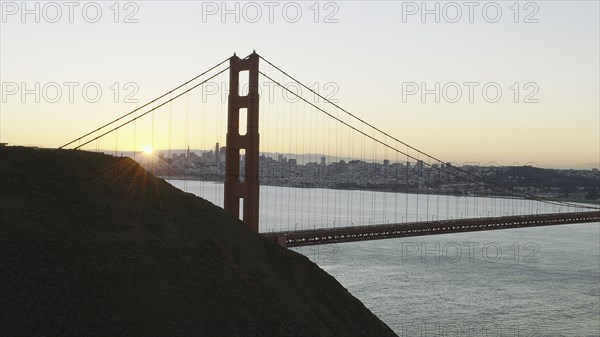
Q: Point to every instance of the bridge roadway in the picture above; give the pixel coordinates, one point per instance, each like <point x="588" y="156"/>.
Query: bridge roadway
<point x="397" y="230"/>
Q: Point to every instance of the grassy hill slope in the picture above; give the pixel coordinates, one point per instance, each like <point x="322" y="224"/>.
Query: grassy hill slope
<point x="94" y="245"/>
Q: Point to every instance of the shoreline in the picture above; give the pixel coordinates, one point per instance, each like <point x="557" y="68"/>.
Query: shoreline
<point x="582" y="201"/>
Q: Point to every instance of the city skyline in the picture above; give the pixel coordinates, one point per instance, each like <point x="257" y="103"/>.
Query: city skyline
<point x="303" y="158"/>
<point x="356" y="174"/>
<point x="208" y="156"/>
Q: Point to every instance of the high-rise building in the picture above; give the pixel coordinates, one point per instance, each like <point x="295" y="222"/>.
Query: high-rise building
<point x="217" y="154"/>
<point x="323" y="161"/>
<point x="419" y="166"/>
<point x="187" y="157"/>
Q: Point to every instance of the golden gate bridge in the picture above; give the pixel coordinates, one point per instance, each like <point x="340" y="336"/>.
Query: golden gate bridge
<point x="307" y="126"/>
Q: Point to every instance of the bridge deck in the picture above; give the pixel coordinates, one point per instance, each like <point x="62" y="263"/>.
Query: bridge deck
<point x="387" y="231"/>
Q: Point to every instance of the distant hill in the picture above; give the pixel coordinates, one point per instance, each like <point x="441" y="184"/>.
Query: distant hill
<point x="529" y="176"/>
<point x="94" y="245"/>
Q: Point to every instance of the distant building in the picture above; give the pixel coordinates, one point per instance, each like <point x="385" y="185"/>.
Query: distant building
<point x="419" y="166"/>
<point x="386" y="162"/>
<point x="187" y="157"/>
<point x="323" y="161"/>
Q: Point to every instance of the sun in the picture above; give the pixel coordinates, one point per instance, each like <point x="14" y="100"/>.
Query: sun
<point x="148" y="149"/>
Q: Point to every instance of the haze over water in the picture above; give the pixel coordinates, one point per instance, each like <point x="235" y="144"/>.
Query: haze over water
<point x="514" y="282"/>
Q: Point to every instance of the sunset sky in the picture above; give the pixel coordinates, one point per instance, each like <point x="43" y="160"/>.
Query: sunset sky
<point x="373" y="53"/>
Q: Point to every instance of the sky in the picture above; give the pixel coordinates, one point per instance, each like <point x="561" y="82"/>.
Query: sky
<point x="538" y="62"/>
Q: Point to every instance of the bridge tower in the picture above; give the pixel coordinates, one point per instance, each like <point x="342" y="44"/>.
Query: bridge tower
<point x="247" y="187"/>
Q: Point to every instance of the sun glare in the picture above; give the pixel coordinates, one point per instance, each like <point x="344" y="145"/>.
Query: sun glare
<point x="148" y="149"/>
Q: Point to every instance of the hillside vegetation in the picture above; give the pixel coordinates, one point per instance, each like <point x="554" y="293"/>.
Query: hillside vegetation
<point x="94" y="245"/>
